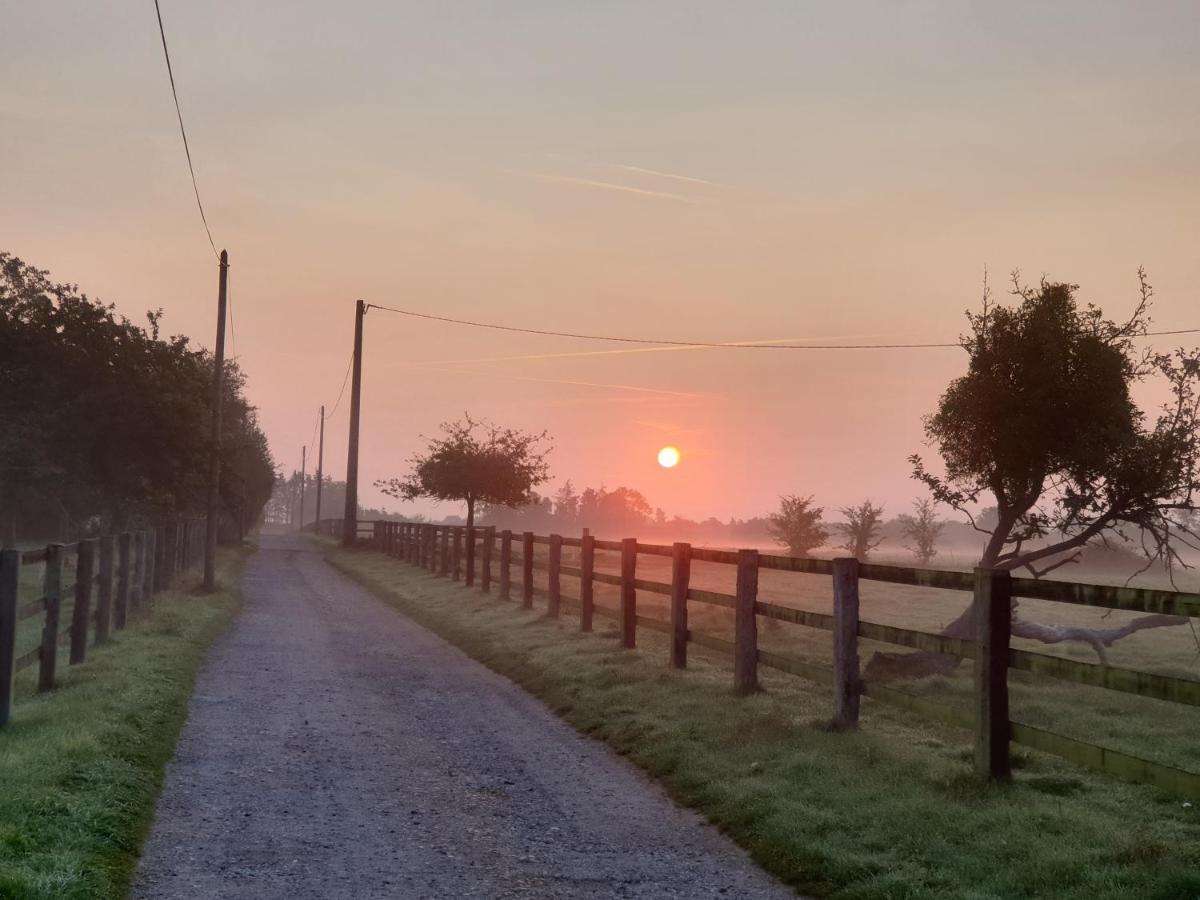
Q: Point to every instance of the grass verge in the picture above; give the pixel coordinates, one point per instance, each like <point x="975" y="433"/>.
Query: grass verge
<point x="81" y="766"/>
<point x="890" y="811"/>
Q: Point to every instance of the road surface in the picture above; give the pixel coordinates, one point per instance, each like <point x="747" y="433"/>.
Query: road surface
<point x="334" y="748"/>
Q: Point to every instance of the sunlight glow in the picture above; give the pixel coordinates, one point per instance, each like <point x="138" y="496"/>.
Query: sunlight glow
<point x="668" y="457"/>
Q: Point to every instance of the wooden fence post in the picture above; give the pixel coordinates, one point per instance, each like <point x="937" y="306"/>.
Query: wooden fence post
<point x="847" y="682"/>
<point x="104" y="590"/>
<point x="681" y="576"/>
<point x="378" y="540"/>
<point x="587" y="565"/>
<point x="554" y="576"/>
<point x="993" y="625"/>
<point x="506" y="564"/>
<point x="52" y="598"/>
<point x="10" y="585"/>
<point x="84" y="571"/>
<point x="148" y="575"/>
<point x="745" y="624"/>
<point x="171" y="552"/>
<point x="444" y="571"/>
<point x="470" y="548"/>
<point x="489" y="546"/>
<point x="139" y="565"/>
<point x="527" y="570"/>
<point x="456" y="554"/>
<point x="628" y="593"/>
<point x="121" y="608"/>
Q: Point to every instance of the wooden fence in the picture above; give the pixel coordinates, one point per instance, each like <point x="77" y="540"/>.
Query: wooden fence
<point x="110" y="581"/>
<point x="462" y="553"/>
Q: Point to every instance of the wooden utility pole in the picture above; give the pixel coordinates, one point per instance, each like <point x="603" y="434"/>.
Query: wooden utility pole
<point x="350" y="522"/>
<point x="214" y="460"/>
<point x="303" y="474"/>
<point x="320" y="469"/>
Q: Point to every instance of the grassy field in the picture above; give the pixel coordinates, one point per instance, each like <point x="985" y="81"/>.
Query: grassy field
<point x="81" y="766"/>
<point x="892" y="811"/>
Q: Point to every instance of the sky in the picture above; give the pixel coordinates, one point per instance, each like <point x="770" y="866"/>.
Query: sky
<point x="816" y="173"/>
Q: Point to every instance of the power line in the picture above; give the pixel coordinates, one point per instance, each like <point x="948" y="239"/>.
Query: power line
<point x="345" y="379"/>
<point x="732" y="345"/>
<point x="183" y="131"/>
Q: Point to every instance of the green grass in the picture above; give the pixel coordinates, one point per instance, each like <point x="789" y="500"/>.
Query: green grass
<point x="81" y="766"/>
<point x="890" y="811"/>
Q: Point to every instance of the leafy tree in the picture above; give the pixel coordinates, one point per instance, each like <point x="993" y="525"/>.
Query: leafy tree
<point x="475" y="462"/>
<point x="861" y="529"/>
<point x="1044" y="423"/>
<point x="798" y="525"/>
<point x="108" y="421"/>
<point x="923" y="529"/>
<point x="566" y="505"/>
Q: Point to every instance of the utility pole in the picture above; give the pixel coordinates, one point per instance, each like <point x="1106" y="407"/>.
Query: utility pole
<point x="350" y="522"/>
<point x="303" y="468"/>
<point x="320" y="465"/>
<point x="214" y="450"/>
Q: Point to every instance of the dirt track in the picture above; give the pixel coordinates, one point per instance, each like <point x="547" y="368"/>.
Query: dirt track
<point x="336" y="749"/>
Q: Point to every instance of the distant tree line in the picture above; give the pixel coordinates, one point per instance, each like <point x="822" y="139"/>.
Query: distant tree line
<point x="106" y="422"/>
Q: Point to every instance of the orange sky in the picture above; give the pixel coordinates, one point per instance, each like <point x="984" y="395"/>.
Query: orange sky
<point x="705" y="171"/>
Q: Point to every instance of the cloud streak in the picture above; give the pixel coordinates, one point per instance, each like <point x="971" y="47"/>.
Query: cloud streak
<point x="619" y="188"/>
<point x="639" y="170"/>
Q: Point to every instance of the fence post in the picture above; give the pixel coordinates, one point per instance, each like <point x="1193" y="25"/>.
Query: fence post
<point x="105" y="589"/>
<point x="435" y="543"/>
<point x="847" y="682"/>
<point x="121" y="609"/>
<point x="10" y="584"/>
<point x="489" y="545"/>
<point x="554" y="576"/>
<point x="84" y="570"/>
<point x="628" y="592"/>
<point x="170" y="549"/>
<point x="745" y="624"/>
<point x="139" y="564"/>
<point x="456" y="553"/>
<point x="527" y="570"/>
<point x="52" y="598"/>
<point x="471" y="556"/>
<point x="444" y="568"/>
<point x="377" y="535"/>
<point x="993" y="625"/>
<point x="681" y="576"/>
<point x="148" y="574"/>
<point x="587" y="565"/>
<point x="160" y="558"/>
<point x="506" y="564"/>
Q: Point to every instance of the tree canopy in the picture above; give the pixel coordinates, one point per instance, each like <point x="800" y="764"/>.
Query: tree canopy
<point x="1044" y="421"/>
<point x="105" y="419"/>
<point x="797" y="525"/>
<point x="475" y="462"/>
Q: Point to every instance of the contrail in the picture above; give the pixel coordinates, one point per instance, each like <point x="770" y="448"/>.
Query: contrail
<point x="657" y="174"/>
<point x="609" y="186"/>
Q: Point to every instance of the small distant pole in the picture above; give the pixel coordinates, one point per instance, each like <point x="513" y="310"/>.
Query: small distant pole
<point x="303" y="474"/>
<point x="214" y="450"/>
<point x="320" y="470"/>
<point x="350" y="520"/>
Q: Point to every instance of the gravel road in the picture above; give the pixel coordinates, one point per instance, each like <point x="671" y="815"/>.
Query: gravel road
<point x="334" y="749"/>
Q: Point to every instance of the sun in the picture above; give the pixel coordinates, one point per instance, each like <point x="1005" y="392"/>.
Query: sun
<point x="668" y="457"/>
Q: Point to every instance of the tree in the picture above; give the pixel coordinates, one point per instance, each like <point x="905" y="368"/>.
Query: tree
<point x="106" y="420"/>
<point x="566" y="504"/>
<point x="475" y="462"/>
<point x="861" y="529"/>
<point x="922" y="528"/>
<point x="1044" y="422"/>
<point x="798" y="525"/>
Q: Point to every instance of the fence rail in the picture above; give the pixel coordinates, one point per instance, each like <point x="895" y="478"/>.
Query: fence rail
<point x="112" y="581"/>
<point x="444" y="549"/>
